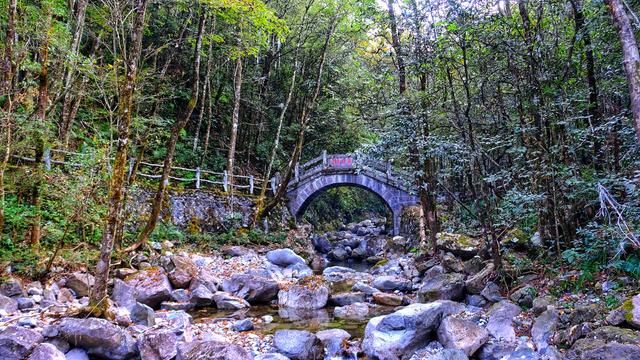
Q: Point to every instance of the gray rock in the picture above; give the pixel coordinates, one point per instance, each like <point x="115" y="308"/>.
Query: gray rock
<point x="158" y="345"/>
<point x="211" y="350"/>
<point x="11" y="287"/>
<point x="60" y="344"/>
<point x="491" y="292"/>
<point x="460" y="245"/>
<point x="243" y="325"/>
<point x="356" y="311"/>
<point x="307" y="293"/>
<point x="297" y="344"/>
<point x="339" y="254"/>
<point x="447" y="354"/>
<point x="332" y="341"/>
<point x="402" y="332"/>
<point x="500" y="324"/>
<point x="476" y="300"/>
<point x="460" y="334"/>
<point x="524" y="296"/>
<point x="180" y="295"/>
<point x="476" y="283"/>
<point x="173" y="305"/>
<point x="29" y="322"/>
<point x="76" y="354"/>
<point x="141" y="314"/>
<point x="442" y="287"/>
<point x="179" y="322"/>
<point x="337" y="269"/>
<point x="150" y="287"/>
<point x="201" y="296"/>
<point x="206" y="278"/>
<point x="387" y="299"/>
<point x="346" y="298"/>
<point x="473" y="266"/>
<point x="226" y="301"/>
<point x="98" y="337"/>
<point x="543" y="328"/>
<point x="253" y="288"/>
<point x="452" y="263"/>
<point x="16" y="342"/>
<point x="184" y="270"/>
<point x="8" y="304"/>
<point x="284" y="257"/>
<point x="607" y="343"/>
<point x="25" y="303"/>
<point x="270" y="356"/>
<point x="496" y="350"/>
<point x="541" y="303"/>
<point x="391" y="283"/>
<point x="123" y="294"/>
<point x="46" y="351"/>
<point x="362" y="287"/>
<point x="81" y="283"/>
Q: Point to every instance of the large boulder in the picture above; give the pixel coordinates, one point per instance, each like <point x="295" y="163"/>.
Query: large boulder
<point x="251" y="287"/>
<point x="98" y="337"/>
<point x="16" y="342"/>
<point x="297" y="344"/>
<point x="81" y="283"/>
<point x="11" y="287"/>
<point x="158" y="345"/>
<point x="284" y="257"/>
<point x="402" y="332"/>
<point x="476" y="283"/>
<point x="460" y="334"/>
<point x="206" y="278"/>
<point x="500" y="324"/>
<point x="226" y="301"/>
<point x="150" y="287"/>
<point x="184" y="270"/>
<point x="442" y="287"/>
<point x="46" y="351"/>
<point x="630" y="311"/>
<point x="346" y="298"/>
<point x="308" y="293"/>
<point x="356" y="311"/>
<point x="543" y="328"/>
<point x="524" y="296"/>
<point x="391" y="283"/>
<point x="211" y="350"/>
<point x="607" y="343"/>
<point x="333" y="340"/>
<point x="463" y="246"/>
<point x="8" y="304"/>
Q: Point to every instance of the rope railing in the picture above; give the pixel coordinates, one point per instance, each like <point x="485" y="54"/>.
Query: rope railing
<point x="199" y="177"/>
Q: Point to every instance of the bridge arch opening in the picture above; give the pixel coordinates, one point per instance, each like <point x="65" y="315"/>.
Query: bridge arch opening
<point x="339" y="204"/>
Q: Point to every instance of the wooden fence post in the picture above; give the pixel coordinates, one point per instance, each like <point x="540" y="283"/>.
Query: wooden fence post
<point x="198" y="177"/>
<point x="324" y="159"/>
<point x="47" y="159"/>
<point x="251" y="184"/>
<point x="225" y="181"/>
<point x="273" y="185"/>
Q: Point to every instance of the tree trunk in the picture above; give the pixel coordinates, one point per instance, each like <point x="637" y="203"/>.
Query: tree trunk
<point x="631" y="57"/>
<point x="397" y="47"/>
<point x="40" y="115"/>
<point x="69" y="100"/>
<point x="5" y="90"/>
<point x="7" y="62"/>
<point x="98" y="301"/>
<point x="307" y="108"/>
<point x="173" y="140"/>
<point x="235" y="118"/>
<point x="205" y="92"/>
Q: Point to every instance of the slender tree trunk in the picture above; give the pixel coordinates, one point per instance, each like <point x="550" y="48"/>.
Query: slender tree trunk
<point x="235" y="119"/>
<point x="7" y="61"/>
<point x="173" y="140"/>
<point x="630" y="56"/>
<point x="397" y="47"/>
<point x="206" y="90"/>
<point x="99" y="296"/>
<point x="5" y="91"/>
<point x="40" y="115"/>
<point x="307" y="108"/>
<point x="69" y="100"/>
<point x="207" y="135"/>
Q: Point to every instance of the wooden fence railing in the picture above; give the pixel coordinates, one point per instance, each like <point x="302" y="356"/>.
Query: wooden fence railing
<point x="199" y="177"/>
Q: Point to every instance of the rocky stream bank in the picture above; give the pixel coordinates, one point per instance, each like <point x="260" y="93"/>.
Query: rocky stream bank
<point x="245" y="303"/>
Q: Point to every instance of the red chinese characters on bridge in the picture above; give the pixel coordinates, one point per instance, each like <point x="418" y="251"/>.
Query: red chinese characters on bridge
<point x="341" y="162"/>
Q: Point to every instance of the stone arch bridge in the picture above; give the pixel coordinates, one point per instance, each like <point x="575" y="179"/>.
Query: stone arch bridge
<point x="326" y="171"/>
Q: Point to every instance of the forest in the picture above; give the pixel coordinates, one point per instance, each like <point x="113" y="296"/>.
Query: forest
<point x="152" y="153"/>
